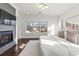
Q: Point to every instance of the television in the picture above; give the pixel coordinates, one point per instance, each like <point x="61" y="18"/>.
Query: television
<point x="5" y="37"/>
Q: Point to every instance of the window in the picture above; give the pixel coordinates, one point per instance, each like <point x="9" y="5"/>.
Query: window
<point x="36" y="26"/>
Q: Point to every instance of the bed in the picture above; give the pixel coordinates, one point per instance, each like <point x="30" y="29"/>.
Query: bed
<point x="50" y="46"/>
<point x="55" y="46"/>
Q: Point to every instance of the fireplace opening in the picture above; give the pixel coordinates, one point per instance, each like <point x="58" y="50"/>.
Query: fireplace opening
<point x="5" y="37"/>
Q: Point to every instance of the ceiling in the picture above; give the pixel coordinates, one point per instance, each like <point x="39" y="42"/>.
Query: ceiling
<point x="54" y="9"/>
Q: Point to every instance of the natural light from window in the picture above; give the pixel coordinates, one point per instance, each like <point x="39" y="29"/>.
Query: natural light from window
<point x="51" y="30"/>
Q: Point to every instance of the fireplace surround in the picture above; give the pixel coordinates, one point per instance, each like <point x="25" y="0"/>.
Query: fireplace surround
<point x="5" y="37"/>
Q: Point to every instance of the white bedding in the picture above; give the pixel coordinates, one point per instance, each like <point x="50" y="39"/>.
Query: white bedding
<point x="55" y="46"/>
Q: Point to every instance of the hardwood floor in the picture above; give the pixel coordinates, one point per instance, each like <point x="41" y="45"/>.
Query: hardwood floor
<point x="16" y="49"/>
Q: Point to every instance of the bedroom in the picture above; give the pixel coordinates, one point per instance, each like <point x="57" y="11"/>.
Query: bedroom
<point x="40" y="26"/>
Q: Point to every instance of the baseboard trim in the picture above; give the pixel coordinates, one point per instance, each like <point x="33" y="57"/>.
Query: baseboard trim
<point x="30" y="38"/>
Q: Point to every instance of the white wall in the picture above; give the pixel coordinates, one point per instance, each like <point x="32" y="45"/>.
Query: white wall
<point x="72" y="16"/>
<point x="23" y="18"/>
<point x="72" y="13"/>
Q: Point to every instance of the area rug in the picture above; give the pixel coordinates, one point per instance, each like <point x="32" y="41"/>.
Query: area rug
<point x="31" y="49"/>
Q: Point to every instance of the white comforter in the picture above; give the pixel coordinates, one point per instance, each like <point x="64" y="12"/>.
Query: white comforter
<point x="55" y="46"/>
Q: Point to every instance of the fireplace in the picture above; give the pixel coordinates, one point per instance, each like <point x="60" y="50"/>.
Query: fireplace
<point x="5" y="37"/>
